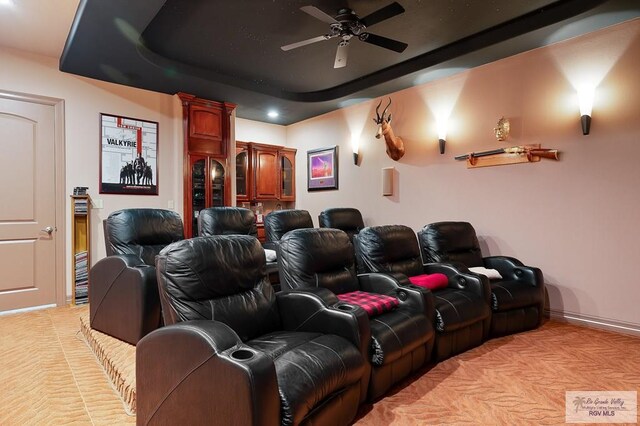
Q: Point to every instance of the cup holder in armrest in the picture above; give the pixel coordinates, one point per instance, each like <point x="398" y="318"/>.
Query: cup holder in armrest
<point x="402" y="295"/>
<point x="242" y="354"/>
<point x="346" y="307"/>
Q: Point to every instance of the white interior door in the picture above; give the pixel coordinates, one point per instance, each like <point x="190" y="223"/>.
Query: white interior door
<point x="27" y="204"/>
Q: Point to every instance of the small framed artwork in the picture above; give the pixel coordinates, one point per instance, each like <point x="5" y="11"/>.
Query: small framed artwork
<point x="128" y="155"/>
<point x="322" y="169"/>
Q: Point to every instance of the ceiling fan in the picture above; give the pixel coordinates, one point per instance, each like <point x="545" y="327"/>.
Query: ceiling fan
<point x="346" y="24"/>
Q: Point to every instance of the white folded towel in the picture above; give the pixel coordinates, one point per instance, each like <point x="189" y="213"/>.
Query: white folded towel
<point x="270" y="255"/>
<point x="492" y="274"/>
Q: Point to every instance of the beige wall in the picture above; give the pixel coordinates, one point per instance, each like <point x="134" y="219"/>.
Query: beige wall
<point x="577" y="219"/>
<point x="84" y="100"/>
<point x="255" y="131"/>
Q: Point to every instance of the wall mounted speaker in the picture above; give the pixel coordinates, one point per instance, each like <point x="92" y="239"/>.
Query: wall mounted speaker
<point x="387" y="180"/>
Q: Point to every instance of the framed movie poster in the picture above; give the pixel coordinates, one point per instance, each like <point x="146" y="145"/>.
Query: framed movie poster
<point x="322" y="169"/>
<point x="128" y="155"/>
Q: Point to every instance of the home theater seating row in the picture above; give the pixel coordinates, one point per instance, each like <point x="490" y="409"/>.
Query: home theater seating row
<point x="322" y="261"/>
<point x="235" y="351"/>
<point x="361" y="308"/>
<point x="462" y="315"/>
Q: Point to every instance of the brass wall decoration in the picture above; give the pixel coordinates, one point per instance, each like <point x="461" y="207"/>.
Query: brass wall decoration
<point x="502" y="129"/>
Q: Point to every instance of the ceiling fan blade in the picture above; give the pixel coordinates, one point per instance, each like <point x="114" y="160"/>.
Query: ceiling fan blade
<point x="318" y="14"/>
<point x="341" y="54"/>
<point x="380" y="15"/>
<point x="385" y="42"/>
<point x="305" y="42"/>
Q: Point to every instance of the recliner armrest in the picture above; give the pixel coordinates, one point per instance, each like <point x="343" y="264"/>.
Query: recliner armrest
<point x="123" y="283"/>
<point x="461" y="278"/>
<point x="512" y="269"/>
<point x="319" y="310"/>
<point x="395" y="285"/>
<point x="199" y="370"/>
<point x="427" y="295"/>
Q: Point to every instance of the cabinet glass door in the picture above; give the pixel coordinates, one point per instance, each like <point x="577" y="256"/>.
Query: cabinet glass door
<point x="198" y="192"/>
<point x="242" y="177"/>
<point x="217" y="184"/>
<point x="287" y="177"/>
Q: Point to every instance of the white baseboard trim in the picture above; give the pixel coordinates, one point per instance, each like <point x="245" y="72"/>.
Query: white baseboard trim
<point x="594" y="322"/>
<point x="29" y="309"/>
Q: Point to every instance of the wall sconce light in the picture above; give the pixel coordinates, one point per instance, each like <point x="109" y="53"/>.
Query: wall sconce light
<point x="442" y="133"/>
<point x="585" y="100"/>
<point x="355" y="142"/>
<point x="441" y="143"/>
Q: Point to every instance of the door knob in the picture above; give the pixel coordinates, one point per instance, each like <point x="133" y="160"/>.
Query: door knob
<point x="48" y="230"/>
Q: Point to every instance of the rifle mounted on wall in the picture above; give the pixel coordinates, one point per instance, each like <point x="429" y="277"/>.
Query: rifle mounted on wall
<point x="551" y="154"/>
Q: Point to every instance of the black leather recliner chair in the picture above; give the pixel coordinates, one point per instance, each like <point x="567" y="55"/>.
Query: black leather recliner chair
<point x="401" y="339"/>
<point x="462" y="314"/>
<point x="234" y="221"/>
<point x="517" y="299"/>
<point x="279" y="222"/>
<point x="346" y="219"/>
<point x="123" y="296"/>
<point x="234" y="352"/>
<point x="226" y="221"/>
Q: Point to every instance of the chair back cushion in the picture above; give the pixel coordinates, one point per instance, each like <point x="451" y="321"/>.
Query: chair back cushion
<point x="317" y="257"/>
<point x="388" y="248"/>
<point x="279" y="222"/>
<point x="373" y="303"/>
<point x="220" y="278"/>
<point x="142" y="232"/>
<point x="443" y="242"/>
<point x="226" y="221"/>
<point x="346" y="219"/>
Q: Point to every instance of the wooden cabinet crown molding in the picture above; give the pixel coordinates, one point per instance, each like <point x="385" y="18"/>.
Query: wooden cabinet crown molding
<point x="188" y="99"/>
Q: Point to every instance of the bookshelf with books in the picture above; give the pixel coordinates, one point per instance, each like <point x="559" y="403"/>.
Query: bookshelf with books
<point x="80" y="247"/>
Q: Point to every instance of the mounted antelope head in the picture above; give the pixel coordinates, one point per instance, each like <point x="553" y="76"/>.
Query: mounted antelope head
<point x="395" y="147"/>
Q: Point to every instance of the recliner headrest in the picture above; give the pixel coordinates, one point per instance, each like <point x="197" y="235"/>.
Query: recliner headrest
<point x="345" y="218"/>
<point x="450" y="242"/>
<point x="214" y="266"/>
<point x="318" y="257"/>
<point x="226" y="221"/>
<point x="143" y="232"/>
<point x="279" y="222"/>
<point x="388" y="248"/>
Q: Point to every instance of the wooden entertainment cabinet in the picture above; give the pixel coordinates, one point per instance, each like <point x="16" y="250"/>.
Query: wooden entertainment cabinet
<point x="264" y="172"/>
<point x="207" y="177"/>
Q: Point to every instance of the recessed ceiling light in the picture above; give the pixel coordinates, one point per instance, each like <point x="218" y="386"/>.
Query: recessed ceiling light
<point x="273" y="114"/>
<point x="6" y="3"/>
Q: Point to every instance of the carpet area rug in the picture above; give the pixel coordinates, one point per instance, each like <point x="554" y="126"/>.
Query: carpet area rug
<point x="117" y="358"/>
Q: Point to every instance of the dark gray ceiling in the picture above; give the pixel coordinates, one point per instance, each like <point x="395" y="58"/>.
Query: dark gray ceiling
<point x="230" y="50"/>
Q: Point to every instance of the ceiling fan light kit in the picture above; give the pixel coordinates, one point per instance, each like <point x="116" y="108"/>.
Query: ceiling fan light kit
<point x="346" y="24"/>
